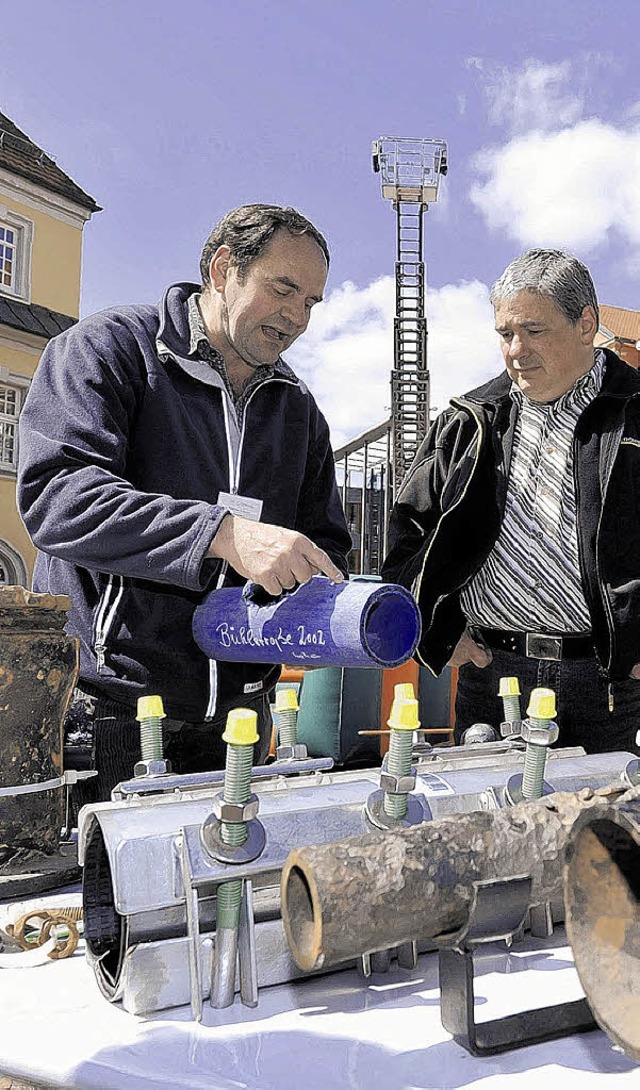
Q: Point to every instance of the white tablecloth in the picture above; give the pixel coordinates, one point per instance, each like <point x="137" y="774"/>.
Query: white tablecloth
<point x="336" y="1031"/>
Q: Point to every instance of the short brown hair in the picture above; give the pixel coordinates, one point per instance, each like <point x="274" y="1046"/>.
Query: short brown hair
<point x="249" y="229"/>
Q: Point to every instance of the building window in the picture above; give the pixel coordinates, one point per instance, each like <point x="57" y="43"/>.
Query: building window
<point x="16" y="235"/>
<point x="13" y="570"/>
<point x="9" y="412"/>
<point x="8" y="264"/>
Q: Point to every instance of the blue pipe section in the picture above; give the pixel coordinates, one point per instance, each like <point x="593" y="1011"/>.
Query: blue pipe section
<point x="320" y="623"/>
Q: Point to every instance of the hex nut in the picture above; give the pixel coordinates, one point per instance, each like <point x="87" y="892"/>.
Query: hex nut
<point x="155" y="767"/>
<point x="510" y="727"/>
<point x="297" y="752"/>
<point x="397" y="785"/>
<point x="236" y="811"/>
<point x="539" y="736"/>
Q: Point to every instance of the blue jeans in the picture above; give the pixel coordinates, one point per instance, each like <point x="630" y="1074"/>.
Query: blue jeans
<point x="582" y="700"/>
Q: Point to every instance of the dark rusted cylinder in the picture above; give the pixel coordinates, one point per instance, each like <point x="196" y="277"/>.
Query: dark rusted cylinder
<point x="602" y="910"/>
<point x="366" y="893"/>
<point x="38" y="668"/>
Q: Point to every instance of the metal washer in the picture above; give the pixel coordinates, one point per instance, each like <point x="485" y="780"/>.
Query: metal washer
<point x="213" y="844"/>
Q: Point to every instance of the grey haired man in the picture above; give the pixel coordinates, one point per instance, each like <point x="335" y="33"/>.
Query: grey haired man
<point x="518" y="527"/>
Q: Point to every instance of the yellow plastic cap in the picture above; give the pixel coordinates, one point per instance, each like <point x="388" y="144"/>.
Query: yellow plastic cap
<point x="242" y="727"/>
<point x="286" y="700"/>
<point x="509" y="686"/>
<point x="542" y="704"/>
<point x="150" y="707"/>
<point x="404" y="715"/>
<point x="403" y="691"/>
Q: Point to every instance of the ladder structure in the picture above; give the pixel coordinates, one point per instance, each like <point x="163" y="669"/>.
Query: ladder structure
<point x="410" y="172"/>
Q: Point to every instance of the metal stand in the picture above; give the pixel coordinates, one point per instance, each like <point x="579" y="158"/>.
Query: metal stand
<point x="241" y="955"/>
<point x="498" y="911"/>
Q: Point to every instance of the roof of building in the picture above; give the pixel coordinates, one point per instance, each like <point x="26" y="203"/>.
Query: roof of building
<point x="619" y="323"/>
<point x="21" y="156"/>
<point x="33" y="318"/>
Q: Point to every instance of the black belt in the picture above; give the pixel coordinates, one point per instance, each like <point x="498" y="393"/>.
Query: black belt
<point x="538" y="645"/>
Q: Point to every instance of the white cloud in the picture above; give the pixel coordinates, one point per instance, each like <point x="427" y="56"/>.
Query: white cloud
<point x="558" y="178"/>
<point x="571" y="188"/>
<point x="463" y="345"/>
<point x="346" y="356"/>
<point x="535" y="95"/>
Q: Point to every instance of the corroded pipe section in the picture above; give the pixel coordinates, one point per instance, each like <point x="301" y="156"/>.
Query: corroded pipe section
<point x="38" y="668"/>
<point x="602" y="907"/>
<point x="366" y="893"/>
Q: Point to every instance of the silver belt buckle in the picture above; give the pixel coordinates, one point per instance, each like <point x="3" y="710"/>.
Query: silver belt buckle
<point x="537" y="646"/>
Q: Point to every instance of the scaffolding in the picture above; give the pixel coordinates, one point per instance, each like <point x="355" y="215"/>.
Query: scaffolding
<point x="410" y="171"/>
<point x="363" y="471"/>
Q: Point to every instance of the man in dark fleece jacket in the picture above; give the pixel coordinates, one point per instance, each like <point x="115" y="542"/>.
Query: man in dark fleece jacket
<point x="166" y="450"/>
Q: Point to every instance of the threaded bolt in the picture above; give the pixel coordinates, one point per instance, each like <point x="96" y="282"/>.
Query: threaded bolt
<point x="403" y="721"/>
<point x="509" y="690"/>
<point x="541" y="713"/>
<point x="533" y="775"/>
<point x="150" y="713"/>
<point x="240" y="735"/>
<point x="287" y="708"/>
<point x="399" y="764"/>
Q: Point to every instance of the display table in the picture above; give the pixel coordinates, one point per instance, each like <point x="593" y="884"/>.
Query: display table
<point x="335" y="1031"/>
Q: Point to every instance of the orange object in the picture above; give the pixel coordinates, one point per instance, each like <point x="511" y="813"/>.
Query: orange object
<point x="272" y="742"/>
<point x="452" y="698"/>
<point x="292" y="673"/>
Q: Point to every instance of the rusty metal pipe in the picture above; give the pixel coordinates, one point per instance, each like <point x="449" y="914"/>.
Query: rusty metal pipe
<point x="38" y="669"/>
<point x="366" y="893"/>
<point x="602" y="911"/>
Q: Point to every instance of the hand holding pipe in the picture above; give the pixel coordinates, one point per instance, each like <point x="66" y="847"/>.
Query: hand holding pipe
<point x="353" y="896"/>
<point x="319" y="624"/>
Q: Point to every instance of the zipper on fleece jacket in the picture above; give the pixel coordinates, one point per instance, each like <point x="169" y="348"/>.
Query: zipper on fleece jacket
<point x="234" y="484"/>
<point x="233" y="478"/>
<point x="105" y="616"/>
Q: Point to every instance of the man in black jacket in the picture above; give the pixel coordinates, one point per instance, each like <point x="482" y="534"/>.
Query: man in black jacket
<point x="518" y="524"/>
<point x="164" y="450"/>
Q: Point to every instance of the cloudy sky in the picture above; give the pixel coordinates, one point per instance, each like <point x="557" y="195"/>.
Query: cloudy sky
<point x="169" y="114"/>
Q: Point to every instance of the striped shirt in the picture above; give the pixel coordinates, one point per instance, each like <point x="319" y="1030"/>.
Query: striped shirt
<point x="531" y="581"/>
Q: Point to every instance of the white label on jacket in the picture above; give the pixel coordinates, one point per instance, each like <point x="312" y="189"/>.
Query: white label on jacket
<point x="244" y="506"/>
<point x="253" y="687"/>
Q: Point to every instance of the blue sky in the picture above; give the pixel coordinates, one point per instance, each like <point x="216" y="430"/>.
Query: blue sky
<point x="169" y="114"/>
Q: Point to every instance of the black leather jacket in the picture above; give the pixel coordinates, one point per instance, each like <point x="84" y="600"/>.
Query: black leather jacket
<point x="450" y="507"/>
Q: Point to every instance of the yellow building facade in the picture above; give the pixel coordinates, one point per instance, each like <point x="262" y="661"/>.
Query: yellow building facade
<point x="42" y="216"/>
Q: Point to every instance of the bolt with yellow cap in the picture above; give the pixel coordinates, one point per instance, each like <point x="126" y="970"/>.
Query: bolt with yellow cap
<point x="403" y="691"/>
<point x="150" y="713"/>
<point x="539" y="731"/>
<point x="403" y="721"/>
<point x="509" y="692"/>
<point x="286" y="710"/>
<point x="240" y="734"/>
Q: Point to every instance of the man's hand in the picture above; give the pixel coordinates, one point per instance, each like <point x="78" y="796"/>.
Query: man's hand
<point x="635" y="673"/>
<point x="275" y="558"/>
<point x="467" y="650"/>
